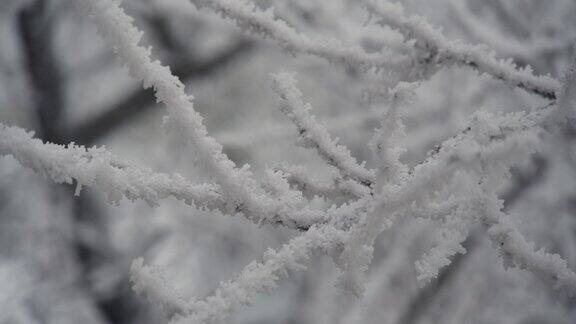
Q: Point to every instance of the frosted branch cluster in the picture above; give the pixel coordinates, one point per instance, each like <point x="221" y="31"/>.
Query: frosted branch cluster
<point x="455" y="187"/>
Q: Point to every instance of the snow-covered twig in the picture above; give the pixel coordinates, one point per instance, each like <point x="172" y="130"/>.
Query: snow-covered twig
<point x="151" y="282"/>
<point x="313" y="135"/>
<point x="439" y="51"/>
<point x="265" y="23"/>
<point x="490" y="146"/>
<point x="518" y="252"/>
<point x="450" y="236"/>
<point x="391" y="129"/>
<point x="96" y="167"/>
<point x="357" y="255"/>
<point x="530" y="49"/>
<point x="336" y="187"/>
<point x="511" y="140"/>
<point x="241" y="192"/>
<point x="256" y="278"/>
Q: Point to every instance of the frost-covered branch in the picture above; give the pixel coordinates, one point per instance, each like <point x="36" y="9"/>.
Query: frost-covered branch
<point x="436" y="50"/>
<point x="526" y="49"/>
<point x="152" y="283"/>
<point x="256" y="278"/>
<point x="313" y="135"/>
<point x="265" y="23"/>
<point x="440" y="51"/>
<point x="242" y="193"/>
<point x="336" y="187"/>
<point x="450" y="236"/>
<point x="391" y="130"/>
<point x="485" y="153"/>
<point x="98" y="168"/>
<point x="518" y="252"/>
<point x="391" y="172"/>
<point x="506" y="150"/>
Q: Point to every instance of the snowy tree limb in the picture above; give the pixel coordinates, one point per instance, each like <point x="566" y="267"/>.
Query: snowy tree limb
<point x="241" y="191"/>
<point x="518" y="252"/>
<point x="440" y="51"/>
<point x="336" y="187"/>
<point x="96" y="167"/>
<point x="256" y="278"/>
<point x="313" y="135"/>
<point x="264" y="23"/>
